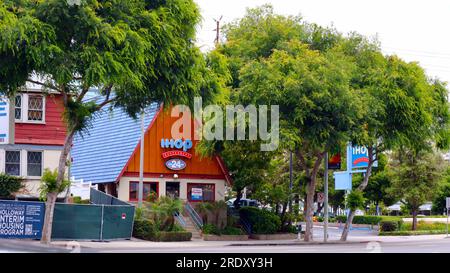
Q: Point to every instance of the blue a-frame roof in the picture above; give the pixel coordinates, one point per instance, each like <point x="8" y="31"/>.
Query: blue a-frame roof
<point x="100" y="154"/>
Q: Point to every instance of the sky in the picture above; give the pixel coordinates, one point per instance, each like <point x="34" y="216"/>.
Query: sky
<point x="414" y="30"/>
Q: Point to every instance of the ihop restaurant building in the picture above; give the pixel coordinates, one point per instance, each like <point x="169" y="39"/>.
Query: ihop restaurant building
<point x="109" y="156"/>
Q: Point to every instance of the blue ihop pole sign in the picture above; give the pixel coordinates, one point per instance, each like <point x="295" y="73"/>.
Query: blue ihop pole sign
<point x="357" y="162"/>
<point x="360" y="157"/>
<point x="21" y="219"/>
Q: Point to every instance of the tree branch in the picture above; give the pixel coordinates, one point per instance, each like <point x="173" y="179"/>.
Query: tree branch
<point x="105" y="102"/>
<point x="45" y="85"/>
<point x="82" y="94"/>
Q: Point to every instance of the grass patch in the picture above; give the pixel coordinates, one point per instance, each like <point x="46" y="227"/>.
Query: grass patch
<point x="411" y="232"/>
<point x="423" y="228"/>
<point x="421" y="225"/>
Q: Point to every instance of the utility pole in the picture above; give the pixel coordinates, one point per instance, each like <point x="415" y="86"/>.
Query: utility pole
<point x="217" y="30"/>
<point x="141" y="163"/>
<point x="325" y="222"/>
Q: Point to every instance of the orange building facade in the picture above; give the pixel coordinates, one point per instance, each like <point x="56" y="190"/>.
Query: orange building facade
<point x="171" y="169"/>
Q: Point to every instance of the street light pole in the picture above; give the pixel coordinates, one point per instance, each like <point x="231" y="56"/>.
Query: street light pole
<point x="141" y="163"/>
<point x="325" y="226"/>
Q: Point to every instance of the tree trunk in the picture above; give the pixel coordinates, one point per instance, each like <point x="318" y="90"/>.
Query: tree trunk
<point x="361" y="187"/>
<point x="283" y="215"/>
<point x="309" y="211"/>
<point x="51" y="196"/>
<point x="48" y="219"/>
<point x="414" y="222"/>
<point x="310" y="192"/>
<point x="347" y="225"/>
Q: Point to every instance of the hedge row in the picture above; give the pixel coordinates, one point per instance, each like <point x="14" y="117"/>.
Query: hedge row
<point x="361" y="219"/>
<point x="212" y="229"/>
<point x="262" y="221"/>
<point x="145" y="230"/>
<point x="173" y="236"/>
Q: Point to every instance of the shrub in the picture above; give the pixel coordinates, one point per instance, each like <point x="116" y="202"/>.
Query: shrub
<point x="229" y="230"/>
<point x="262" y="221"/>
<point x="232" y="231"/>
<point x="292" y="229"/>
<point x="9" y="185"/>
<point x="173" y="236"/>
<point x="361" y="219"/>
<point x="388" y="226"/>
<point x="177" y="228"/>
<point x="78" y="200"/>
<point x="210" y="229"/>
<point x="144" y="229"/>
<point x="49" y="184"/>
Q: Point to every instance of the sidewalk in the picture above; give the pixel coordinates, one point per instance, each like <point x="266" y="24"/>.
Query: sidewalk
<point x="140" y="244"/>
<point x="137" y="244"/>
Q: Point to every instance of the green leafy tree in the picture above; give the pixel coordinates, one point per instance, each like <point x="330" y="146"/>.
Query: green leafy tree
<point x="439" y="201"/>
<point x="403" y="107"/>
<point x="416" y="178"/>
<point x="130" y="52"/>
<point x="278" y="67"/>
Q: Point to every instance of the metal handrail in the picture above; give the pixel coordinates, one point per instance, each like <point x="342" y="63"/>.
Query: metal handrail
<point x="194" y="215"/>
<point x="180" y="219"/>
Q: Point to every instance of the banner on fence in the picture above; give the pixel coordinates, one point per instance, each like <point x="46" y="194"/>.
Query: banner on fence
<point x="21" y="219"/>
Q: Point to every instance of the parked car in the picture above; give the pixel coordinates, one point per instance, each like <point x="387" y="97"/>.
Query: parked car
<point x="243" y="203"/>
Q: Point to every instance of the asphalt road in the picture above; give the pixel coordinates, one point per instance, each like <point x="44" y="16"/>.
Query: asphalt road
<point x="364" y="241"/>
<point x="371" y="247"/>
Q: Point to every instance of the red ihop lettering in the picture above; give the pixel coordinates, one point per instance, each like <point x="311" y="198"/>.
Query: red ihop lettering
<point x="176" y="153"/>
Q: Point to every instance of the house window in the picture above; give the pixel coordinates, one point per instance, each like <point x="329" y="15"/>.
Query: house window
<point x="29" y="108"/>
<point x="35" y="108"/>
<point x="34" y="163"/>
<point x="12" y="163"/>
<point x="149" y="187"/>
<point x="201" y="192"/>
<point x="18" y="107"/>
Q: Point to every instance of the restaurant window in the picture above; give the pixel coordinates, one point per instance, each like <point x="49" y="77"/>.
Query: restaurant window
<point x="149" y="187"/>
<point x="12" y="163"/>
<point x="34" y="163"/>
<point x="201" y="192"/>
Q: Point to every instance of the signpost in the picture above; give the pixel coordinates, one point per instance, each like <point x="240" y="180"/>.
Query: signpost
<point x="325" y="199"/>
<point x="447" y="206"/>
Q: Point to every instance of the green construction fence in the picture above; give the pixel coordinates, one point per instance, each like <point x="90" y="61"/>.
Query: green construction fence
<point x="106" y="218"/>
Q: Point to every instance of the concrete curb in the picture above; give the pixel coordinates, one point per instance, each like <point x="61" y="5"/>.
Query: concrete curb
<point x="31" y="246"/>
<point x="304" y="243"/>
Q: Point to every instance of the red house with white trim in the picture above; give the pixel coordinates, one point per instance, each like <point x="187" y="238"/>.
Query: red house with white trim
<point x="35" y="137"/>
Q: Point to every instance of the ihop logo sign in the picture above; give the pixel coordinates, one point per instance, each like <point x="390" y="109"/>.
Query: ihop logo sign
<point x="360" y="157"/>
<point x="176" y="144"/>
